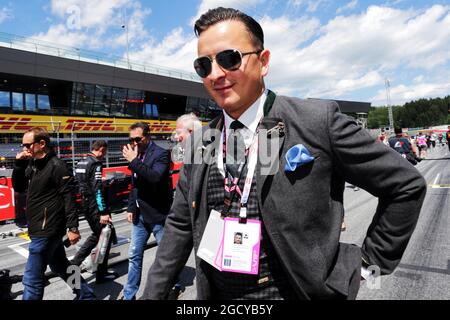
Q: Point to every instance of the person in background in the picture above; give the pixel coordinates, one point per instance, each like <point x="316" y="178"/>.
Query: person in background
<point x="383" y="138"/>
<point x="428" y="138"/>
<point x="412" y="143"/>
<point x="402" y="145"/>
<point x="421" y="142"/>
<point x="447" y="136"/>
<point x="88" y="174"/>
<point x="440" y="139"/>
<point x="50" y="213"/>
<point x="433" y="139"/>
<point x="149" y="200"/>
<point x="185" y="125"/>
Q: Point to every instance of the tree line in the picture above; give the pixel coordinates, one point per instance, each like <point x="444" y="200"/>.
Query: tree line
<point x="414" y="114"/>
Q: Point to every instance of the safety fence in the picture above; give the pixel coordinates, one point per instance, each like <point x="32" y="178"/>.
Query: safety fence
<point x="80" y="142"/>
<point x="72" y="145"/>
<point x="11" y="140"/>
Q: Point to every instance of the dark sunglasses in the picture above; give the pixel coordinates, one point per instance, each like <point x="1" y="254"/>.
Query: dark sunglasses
<point x="229" y="59"/>
<point x="136" y="139"/>
<point x="27" y="145"/>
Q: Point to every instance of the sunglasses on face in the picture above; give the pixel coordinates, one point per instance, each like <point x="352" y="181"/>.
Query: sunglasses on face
<point x="27" y="145"/>
<point x="136" y="139"/>
<point x="230" y="59"/>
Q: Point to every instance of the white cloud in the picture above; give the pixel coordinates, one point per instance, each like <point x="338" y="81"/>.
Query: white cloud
<point x="403" y="93"/>
<point x="344" y="56"/>
<point x="136" y="28"/>
<point x="350" y="83"/>
<point x="205" y="5"/>
<point x="358" y="51"/>
<point x="311" y="5"/>
<point x="247" y="6"/>
<point x="177" y="50"/>
<point x="392" y="3"/>
<point x="419" y="79"/>
<point x="96" y="24"/>
<point x="59" y="34"/>
<point x="351" y="5"/>
<point x="93" y="14"/>
<point x="6" y="14"/>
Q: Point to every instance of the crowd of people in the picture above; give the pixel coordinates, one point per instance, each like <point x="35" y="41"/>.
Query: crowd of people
<point x="261" y="228"/>
<point x="418" y="146"/>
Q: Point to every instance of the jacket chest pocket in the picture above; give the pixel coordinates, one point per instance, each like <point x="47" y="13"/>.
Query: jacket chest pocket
<point x="39" y="179"/>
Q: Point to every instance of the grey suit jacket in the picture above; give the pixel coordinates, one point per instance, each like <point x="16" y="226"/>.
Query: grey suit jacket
<point x="302" y="210"/>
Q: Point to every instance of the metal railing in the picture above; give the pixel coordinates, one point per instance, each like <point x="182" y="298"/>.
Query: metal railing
<point x="10" y="140"/>
<point x="39" y="46"/>
<point x="81" y="145"/>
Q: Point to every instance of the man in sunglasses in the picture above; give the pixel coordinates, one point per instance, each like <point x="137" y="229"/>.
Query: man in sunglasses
<point x="289" y="208"/>
<point x="50" y="212"/>
<point x="149" y="201"/>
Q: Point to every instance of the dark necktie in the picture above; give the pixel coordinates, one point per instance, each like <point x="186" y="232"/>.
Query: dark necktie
<point x="235" y="148"/>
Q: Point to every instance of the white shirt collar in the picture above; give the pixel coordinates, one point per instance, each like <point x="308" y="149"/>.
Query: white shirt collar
<point x="250" y="118"/>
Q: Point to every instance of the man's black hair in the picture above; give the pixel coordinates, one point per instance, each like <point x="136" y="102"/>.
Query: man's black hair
<point x="99" y="144"/>
<point x="398" y="130"/>
<point x="40" y="134"/>
<point x="144" y="126"/>
<point x="213" y="16"/>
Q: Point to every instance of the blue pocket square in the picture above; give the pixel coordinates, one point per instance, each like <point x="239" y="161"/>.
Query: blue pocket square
<point x="296" y="156"/>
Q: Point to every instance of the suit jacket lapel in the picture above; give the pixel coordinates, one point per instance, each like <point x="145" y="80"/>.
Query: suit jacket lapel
<point x="149" y="152"/>
<point x="199" y="175"/>
<point x="272" y="133"/>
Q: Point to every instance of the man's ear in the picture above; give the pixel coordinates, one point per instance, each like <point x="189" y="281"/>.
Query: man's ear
<point x="264" y="57"/>
<point x="43" y="143"/>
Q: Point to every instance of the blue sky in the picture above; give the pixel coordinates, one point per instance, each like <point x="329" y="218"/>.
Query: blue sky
<point x="322" y="48"/>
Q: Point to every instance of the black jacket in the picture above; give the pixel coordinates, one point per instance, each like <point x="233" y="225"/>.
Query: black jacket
<point x="151" y="195"/>
<point x="88" y="174"/>
<point x="50" y="195"/>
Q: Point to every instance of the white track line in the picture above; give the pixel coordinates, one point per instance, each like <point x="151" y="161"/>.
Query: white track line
<point x="22" y="251"/>
<point x="437" y="178"/>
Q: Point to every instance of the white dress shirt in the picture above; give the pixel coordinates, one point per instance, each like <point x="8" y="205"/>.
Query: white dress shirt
<point x="250" y="119"/>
